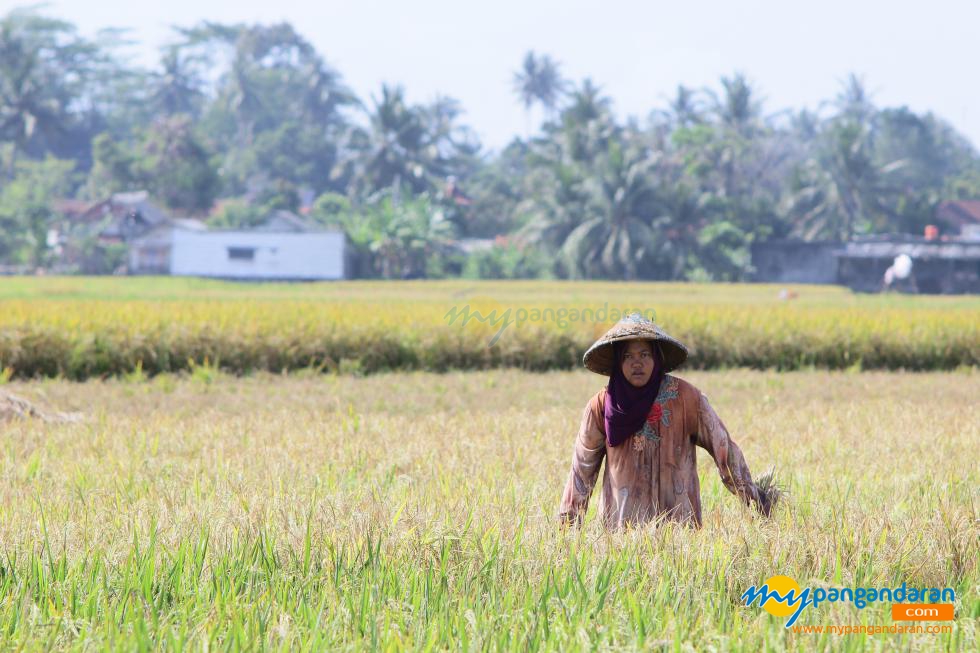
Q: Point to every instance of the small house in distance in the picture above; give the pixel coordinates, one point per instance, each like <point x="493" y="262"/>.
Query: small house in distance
<point x="939" y="266"/>
<point x="82" y="232"/>
<point x="123" y="217"/>
<point x="284" y="247"/>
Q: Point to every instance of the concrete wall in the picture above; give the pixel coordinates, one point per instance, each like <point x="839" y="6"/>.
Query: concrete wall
<point x="787" y="261"/>
<point x="308" y="256"/>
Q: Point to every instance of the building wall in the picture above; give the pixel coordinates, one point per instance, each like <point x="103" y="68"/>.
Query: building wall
<point x="929" y="276"/>
<point x="785" y="261"/>
<point x="150" y="254"/>
<point x="257" y="255"/>
<point x="149" y="258"/>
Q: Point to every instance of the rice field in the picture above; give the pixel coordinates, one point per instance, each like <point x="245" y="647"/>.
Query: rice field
<point x="417" y="511"/>
<point x="78" y="328"/>
<point x="344" y="466"/>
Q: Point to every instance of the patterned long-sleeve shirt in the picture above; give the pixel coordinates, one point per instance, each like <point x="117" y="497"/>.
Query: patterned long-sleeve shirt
<point x="654" y="473"/>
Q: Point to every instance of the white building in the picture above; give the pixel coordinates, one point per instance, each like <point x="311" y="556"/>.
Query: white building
<point x="151" y="252"/>
<point x="312" y="255"/>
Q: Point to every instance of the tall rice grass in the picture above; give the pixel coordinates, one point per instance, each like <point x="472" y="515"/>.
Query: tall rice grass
<point x="413" y="511"/>
<point x="69" y="328"/>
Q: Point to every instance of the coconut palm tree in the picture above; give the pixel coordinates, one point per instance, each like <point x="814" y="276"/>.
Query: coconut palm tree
<point x="844" y="186"/>
<point x="617" y="240"/>
<point x="539" y="81"/>
<point x="738" y="108"/>
<point x="412" y="146"/>
<point x="394" y="150"/>
<point x="178" y="86"/>
<point x="685" y="109"/>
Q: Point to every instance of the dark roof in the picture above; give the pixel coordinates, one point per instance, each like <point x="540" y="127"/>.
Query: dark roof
<point x="917" y="250"/>
<point x="121" y="205"/>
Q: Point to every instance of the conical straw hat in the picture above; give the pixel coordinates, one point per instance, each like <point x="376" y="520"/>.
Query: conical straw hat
<point x="599" y="357"/>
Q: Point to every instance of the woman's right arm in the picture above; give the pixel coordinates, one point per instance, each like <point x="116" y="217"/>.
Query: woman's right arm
<point x="590" y="447"/>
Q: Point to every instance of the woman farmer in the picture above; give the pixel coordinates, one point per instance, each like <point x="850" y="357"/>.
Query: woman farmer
<point x="645" y="422"/>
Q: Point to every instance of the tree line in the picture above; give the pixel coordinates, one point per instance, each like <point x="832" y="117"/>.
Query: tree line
<point x="236" y="121"/>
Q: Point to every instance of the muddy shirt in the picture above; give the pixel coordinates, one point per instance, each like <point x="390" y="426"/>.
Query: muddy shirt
<point x="654" y="472"/>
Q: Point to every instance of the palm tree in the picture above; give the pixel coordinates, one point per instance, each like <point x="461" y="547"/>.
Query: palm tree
<point x="854" y="101"/>
<point x="845" y="184"/>
<point x="177" y="88"/>
<point x="587" y="123"/>
<point x="411" y="146"/>
<point x="559" y="167"/>
<point x="618" y="240"/>
<point x="43" y="68"/>
<point x="556" y="202"/>
<point x="394" y="150"/>
<point x="683" y="110"/>
<point x="842" y="187"/>
<point x="738" y="109"/>
<point x="539" y="81"/>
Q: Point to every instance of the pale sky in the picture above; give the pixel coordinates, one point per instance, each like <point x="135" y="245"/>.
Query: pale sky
<point x="915" y="54"/>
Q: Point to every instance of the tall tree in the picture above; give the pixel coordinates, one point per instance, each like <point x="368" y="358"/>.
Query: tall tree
<point x="618" y="240"/>
<point x="842" y="189"/>
<point x="178" y="87"/>
<point x="539" y="81"/>
<point x="44" y="69"/>
<point x="685" y="109"/>
<point x="738" y="108"/>
<point x="412" y="146"/>
<point x="273" y="77"/>
<point x="177" y="166"/>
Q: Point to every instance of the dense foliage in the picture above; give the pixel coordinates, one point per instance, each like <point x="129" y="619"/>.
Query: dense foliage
<point x="253" y="118"/>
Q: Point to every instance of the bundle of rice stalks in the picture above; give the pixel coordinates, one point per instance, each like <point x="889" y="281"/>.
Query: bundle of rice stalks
<point x="12" y="407"/>
<point x="770" y="492"/>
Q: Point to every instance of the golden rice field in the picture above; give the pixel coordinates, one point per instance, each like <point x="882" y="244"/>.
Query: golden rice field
<point x="417" y="511"/>
<point x="78" y="328"/>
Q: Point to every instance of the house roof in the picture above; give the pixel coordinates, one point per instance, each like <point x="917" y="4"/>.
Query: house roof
<point x="959" y="212"/>
<point x="70" y="208"/>
<point x="282" y="222"/>
<point x="189" y="224"/>
<point x="965" y="250"/>
<point x="285" y="221"/>
<point x="163" y="233"/>
<point x="122" y="205"/>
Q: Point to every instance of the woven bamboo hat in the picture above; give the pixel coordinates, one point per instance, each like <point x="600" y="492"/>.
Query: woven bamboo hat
<point x="599" y="357"/>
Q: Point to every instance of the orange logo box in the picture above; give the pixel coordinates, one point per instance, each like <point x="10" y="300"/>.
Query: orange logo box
<point x="922" y="611"/>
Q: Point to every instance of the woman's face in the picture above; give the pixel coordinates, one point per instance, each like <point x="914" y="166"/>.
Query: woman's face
<point x="638" y="362"/>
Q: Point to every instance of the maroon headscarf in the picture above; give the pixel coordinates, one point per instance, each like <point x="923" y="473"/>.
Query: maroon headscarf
<point x="627" y="406"/>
